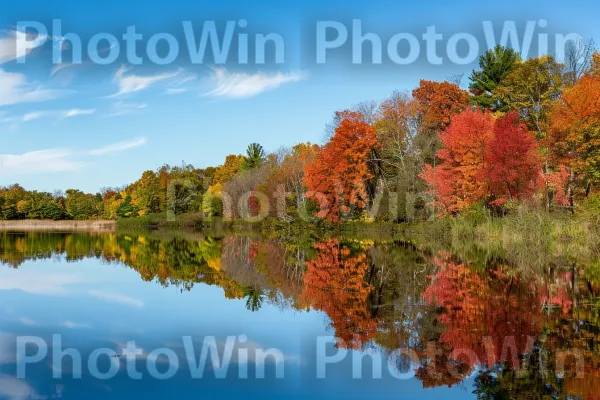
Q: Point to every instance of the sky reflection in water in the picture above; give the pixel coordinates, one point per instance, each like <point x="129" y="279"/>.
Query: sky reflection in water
<point x="104" y="290"/>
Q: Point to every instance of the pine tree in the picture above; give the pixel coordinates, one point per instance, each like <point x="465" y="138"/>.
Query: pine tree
<point x="495" y="66"/>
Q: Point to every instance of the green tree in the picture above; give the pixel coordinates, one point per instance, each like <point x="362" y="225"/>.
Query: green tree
<point x="255" y="156"/>
<point x="81" y="206"/>
<point x="496" y="64"/>
<point x="126" y="209"/>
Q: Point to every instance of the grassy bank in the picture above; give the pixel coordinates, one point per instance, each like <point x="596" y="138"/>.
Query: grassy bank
<point x="526" y="236"/>
<point x="160" y="221"/>
<point x="50" y="225"/>
<point x="269" y="226"/>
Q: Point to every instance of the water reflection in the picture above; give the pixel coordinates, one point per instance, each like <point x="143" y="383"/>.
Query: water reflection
<point x="515" y="335"/>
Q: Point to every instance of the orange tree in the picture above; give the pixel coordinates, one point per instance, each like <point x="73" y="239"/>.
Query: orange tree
<point x="337" y="178"/>
<point x="574" y="138"/>
<point x="334" y="283"/>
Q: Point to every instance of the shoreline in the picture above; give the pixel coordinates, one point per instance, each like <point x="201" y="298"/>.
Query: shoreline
<point x="63" y="225"/>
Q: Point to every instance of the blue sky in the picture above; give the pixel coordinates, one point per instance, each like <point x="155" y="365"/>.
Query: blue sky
<point x="89" y="126"/>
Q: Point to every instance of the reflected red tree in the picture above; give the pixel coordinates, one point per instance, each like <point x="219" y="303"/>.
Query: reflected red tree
<point x="334" y="283"/>
<point x="489" y="318"/>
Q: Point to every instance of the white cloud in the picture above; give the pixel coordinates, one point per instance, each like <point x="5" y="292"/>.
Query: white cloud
<point x="122" y="108"/>
<point x="60" y="67"/>
<point x="35" y="283"/>
<point x="176" y="84"/>
<point x="74" y="325"/>
<point x="33" y="116"/>
<point x="58" y="114"/>
<point x="55" y="160"/>
<point x="235" y="85"/>
<point x="116" y="298"/>
<point x="78" y="111"/>
<point x="13" y="45"/>
<point x="7" y="351"/>
<point x="63" y="74"/>
<point x="40" y="161"/>
<point x="16" y="389"/>
<point x="14" y="89"/>
<point x="185" y="78"/>
<point x="28" y="322"/>
<point x="134" y="83"/>
<point x="118" y="147"/>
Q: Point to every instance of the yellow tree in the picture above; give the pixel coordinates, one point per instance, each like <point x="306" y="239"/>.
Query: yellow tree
<point x="533" y="88"/>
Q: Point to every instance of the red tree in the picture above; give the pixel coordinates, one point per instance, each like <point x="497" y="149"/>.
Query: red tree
<point x="454" y="181"/>
<point x="512" y="160"/>
<point x="487" y="317"/>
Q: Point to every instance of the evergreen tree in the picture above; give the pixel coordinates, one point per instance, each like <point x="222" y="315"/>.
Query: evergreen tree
<point x="255" y="156"/>
<point x="495" y="66"/>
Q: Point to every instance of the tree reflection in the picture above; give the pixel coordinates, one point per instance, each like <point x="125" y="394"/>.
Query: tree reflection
<point x="489" y="318"/>
<point x="334" y="283"/>
<point x="521" y="335"/>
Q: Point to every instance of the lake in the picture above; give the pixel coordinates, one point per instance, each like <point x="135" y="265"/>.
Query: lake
<point x="188" y="315"/>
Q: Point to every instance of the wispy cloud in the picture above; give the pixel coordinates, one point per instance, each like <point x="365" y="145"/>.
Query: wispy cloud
<point x="59" y="67"/>
<point x="74" y="325"/>
<point x="184" y="78"/>
<point x="41" y="161"/>
<point x="78" y="111"/>
<point x="236" y="85"/>
<point x="35" y="283"/>
<point x="32" y="116"/>
<point x="28" y="322"/>
<point x="12" y="45"/>
<point x="134" y="83"/>
<point x="12" y="388"/>
<point x="176" y="84"/>
<point x="119" y="146"/>
<point x="121" y="108"/>
<point x="116" y="298"/>
<point x="56" y="160"/>
<point x="14" y="89"/>
<point x="58" y="114"/>
<point x="7" y="348"/>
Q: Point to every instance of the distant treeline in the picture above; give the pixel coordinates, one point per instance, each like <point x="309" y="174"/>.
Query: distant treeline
<point x="526" y="131"/>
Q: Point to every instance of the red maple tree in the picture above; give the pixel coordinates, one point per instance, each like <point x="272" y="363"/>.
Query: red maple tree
<point x="513" y="168"/>
<point x="455" y="180"/>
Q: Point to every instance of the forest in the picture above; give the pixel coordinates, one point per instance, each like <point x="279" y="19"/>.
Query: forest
<point x="526" y="132"/>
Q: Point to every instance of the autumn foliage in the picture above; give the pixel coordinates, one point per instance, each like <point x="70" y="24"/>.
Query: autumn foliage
<point x="456" y="180"/>
<point x="488" y="318"/>
<point x="512" y="161"/>
<point x="483" y="158"/>
<point x="575" y="131"/>
<point x="432" y="146"/>
<point x="337" y="178"/>
<point x="334" y="283"/>
<point x="439" y="101"/>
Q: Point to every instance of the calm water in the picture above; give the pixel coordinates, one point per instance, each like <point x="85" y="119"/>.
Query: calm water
<point x="421" y="324"/>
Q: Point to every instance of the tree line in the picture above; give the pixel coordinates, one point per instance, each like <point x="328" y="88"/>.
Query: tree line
<point x="524" y="131"/>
